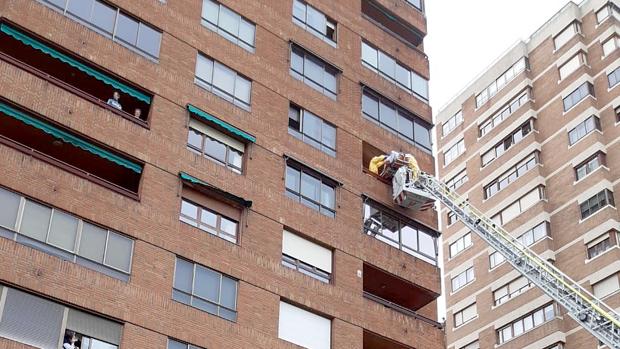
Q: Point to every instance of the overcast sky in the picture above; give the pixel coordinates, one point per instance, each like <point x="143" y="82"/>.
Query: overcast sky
<point x="464" y="37"/>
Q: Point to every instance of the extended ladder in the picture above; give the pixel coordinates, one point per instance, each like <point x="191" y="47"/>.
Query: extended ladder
<point x="590" y="312"/>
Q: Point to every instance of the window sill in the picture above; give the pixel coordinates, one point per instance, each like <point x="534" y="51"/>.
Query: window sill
<point x="597" y="212"/>
<point x="590" y="260"/>
<point x="588" y="175"/>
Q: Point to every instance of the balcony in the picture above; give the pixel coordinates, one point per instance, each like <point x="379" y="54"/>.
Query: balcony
<point x="375" y="341"/>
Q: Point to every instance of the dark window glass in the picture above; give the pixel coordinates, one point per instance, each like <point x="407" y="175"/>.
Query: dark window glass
<point x="311" y="190"/>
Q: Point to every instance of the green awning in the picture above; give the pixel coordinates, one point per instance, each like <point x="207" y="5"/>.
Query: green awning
<point x="191" y="179"/>
<point x="68" y="138"/>
<point x="228" y="127"/>
<point x="72" y="62"/>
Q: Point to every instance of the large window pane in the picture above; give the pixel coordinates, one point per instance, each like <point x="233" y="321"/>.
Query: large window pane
<point x="9" y="202"/>
<point x="103" y="17"/>
<point x="310" y="187"/>
<point x="35" y="220"/>
<point x="328" y="196"/>
<point x="405" y="126"/>
<point x="80" y="8"/>
<point x="387" y="115"/>
<point x="370" y="106"/>
<point x="127" y="29"/>
<point x="207" y="284"/>
<point x="403" y="76"/>
<point x="210" y="11"/>
<point x="292" y="179"/>
<point x="224" y="78"/>
<point x="243" y="89"/>
<point x="247" y="32"/>
<point x="328" y="135"/>
<point x="369" y="55"/>
<point x="312" y="126"/>
<point x="215" y="149"/>
<point x="427" y="244"/>
<point x="316" y="20"/>
<point x="183" y="276"/>
<point x="387" y="65"/>
<point x="422" y="135"/>
<point x="118" y="252"/>
<point x="228" y="297"/>
<point x="92" y="242"/>
<point x="63" y="230"/>
<point x="149" y="40"/>
<point x="313" y="69"/>
<point x="229" y="21"/>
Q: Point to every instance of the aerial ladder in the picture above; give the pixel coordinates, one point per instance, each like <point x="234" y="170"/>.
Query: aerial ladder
<point x="418" y="190"/>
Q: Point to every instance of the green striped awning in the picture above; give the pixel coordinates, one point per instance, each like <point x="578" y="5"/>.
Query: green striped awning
<point x="226" y="126"/>
<point x="36" y="44"/>
<point x="193" y="180"/>
<point x="67" y="137"/>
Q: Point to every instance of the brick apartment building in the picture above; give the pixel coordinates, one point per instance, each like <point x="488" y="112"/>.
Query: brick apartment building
<point x="191" y="174"/>
<point x="535" y="143"/>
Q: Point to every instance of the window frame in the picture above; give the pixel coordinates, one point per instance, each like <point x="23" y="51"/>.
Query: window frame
<point x="587" y="166"/>
<point x="218" y="90"/>
<point x="325" y="66"/>
<point x="575" y="26"/>
<point x="504" y="112"/>
<point x="511" y="175"/>
<point x="502" y="81"/>
<point x="452" y="153"/>
<point x="508" y="142"/>
<point x="598" y="205"/>
<point x="581" y="61"/>
<point x="450" y="125"/>
<point x="519" y="204"/>
<point x="307" y="27"/>
<point x="543" y="311"/>
<point x="467" y="274"/>
<point x="458" y="180"/>
<point x="301" y="135"/>
<point x="465" y="241"/>
<point x="510" y="293"/>
<point x="569" y="102"/>
<point x="203" y="145"/>
<point x="613" y="78"/>
<point x="198" y="223"/>
<point x="234" y="38"/>
<point x="461" y="314"/>
<point x="323" y="180"/>
<point x="602" y="244"/>
<point x="583" y="128"/>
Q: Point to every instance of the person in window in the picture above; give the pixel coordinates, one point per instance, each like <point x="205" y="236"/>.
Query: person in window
<point x="137" y="113"/>
<point x="70" y="341"/>
<point x="114" y="100"/>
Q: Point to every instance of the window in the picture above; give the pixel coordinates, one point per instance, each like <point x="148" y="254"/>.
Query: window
<point x="609" y="9"/>
<point x="391" y="23"/>
<point x="614" y="77"/>
<point x="566" y="34"/>
<point x="39" y="322"/>
<point x="396" y="119"/>
<point x="496" y="259"/>
<point x="511" y="175"/>
<point x="228" y="24"/>
<point x="583" y="129"/>
<point x="64" y="235"/>
<point x="205" y="289"/>
<point x="223" y="81"/>
<point x="457" y="181"/>
<point x="417" y="3"/>
<point x="473" y="345"/>
<point x="572" y="64"/>
<point x="311" y="189"/>
<point x="460" y="245"/>
<point x="534" y="235"/>
<point x="394" y="71"/>
<point x="306" y="257"/>
<point x="610" y="45"/>
<point x="452" y="218"/>
<point x="314" y="21"/>
<point x="606" y="287"/>
<point x="501" y="82"/>
<point x="462" y="279"/>
<point x="589" y="165"/>
<point x="294" y="325"/>
<point x="465" y="315"/>
<point x="112" y="23"/>
<point x="511" y="290"/>
<point x="453" y="152"/>
<point x="504" y="113"/>
<point x="513" y="210"/>
<point x="526" y="323"/>
<point x="601" y="244"/>
<point x="617" y="112"/>
<point x="503" y="146"/>
<point x="596" y="203"/>
<point x="452" y="123"/>
<point x="215" y="146"/>
<point x="208" y="220"/>
<point x="586" y="89"/>
<point x="314" y="72"/>
<point x="400" y="232"/>
<point x="173" y="344"/>
<point x="311" y="129"/>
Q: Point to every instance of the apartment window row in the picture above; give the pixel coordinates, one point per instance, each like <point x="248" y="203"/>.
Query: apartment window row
<point x="228" y="24"/>
<point x="209" y="220"/>
<point x="614" y="77"/>
<point x="452" y="123"/>
<point x="311" y="189"/>
<point x="457" y="181"/>
<point x="314" y="21"/>
<point x="566" y="34"/>
<point x="460" y="245"/>
<point x="462" y="279"/>
<point x="583" y="91"/>
<point x="215" y="146"/>
<point x="610" y="45"/>
<point x="583" y="129"/>
<point x="501" y="82"/>
<point x="527" y="239"/>
<point x="307" y="257"/>
<point x="526" y="323"/>
<point x="41" y="323"/>
<point x="513" y="210"/>
<point x="572" y="64"/>
<point x="312" y="130"/>
<point x="608" y="10"/>
<point x="603" y="243"/>
<point x="503" y="146"/>
<point x="223" y="81"/>
<point x="465" y="315"/>
<point x="453" y="152"/>
<point x="174" y="344"/>
<point x="314" y="71"/>
<point x="589" y="165"/>
<point x="113" y="23"/>
<point x="205" y="289"/>
<point x="596" y="203"/>
<point x="510" y="108"/>
<point x="511" y="175"/>
<point x="398" y="73"/>
<point x="606" y="287"/>
<point x="62" y="234"/>
<point x="400" y="233"/>
<point x="396" y="119"/>
<point x="511" y="290"/>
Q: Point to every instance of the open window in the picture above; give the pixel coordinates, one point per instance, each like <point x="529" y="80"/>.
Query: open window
<point x="73" y="73"/>
<point x="375" y="341"/>
<point x="45" y="140"/>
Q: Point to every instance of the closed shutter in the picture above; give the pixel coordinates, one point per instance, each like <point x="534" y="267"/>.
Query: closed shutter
<point x="469" y="312"/>
<point x="606" y="287"/>
<point x="530" y="199"/>
<point x="518" y="284"/>
<point x="510" y="212"/>
<point x="307" y="251"/>
<point x="93" y="326"/>
<point x="303" y="327"/>
<point x="31" y="320"/>
<point x="598" y="240"/>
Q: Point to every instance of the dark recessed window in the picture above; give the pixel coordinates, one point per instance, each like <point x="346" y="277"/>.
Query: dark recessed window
<point x="503" y="146"/>
<point x="314" y="21"/>
<point x="311" y="188"/>
<point x="589" y="165"/>
<point x="596" y="203"/>
<point x="314" y="71"/>
<point x="583" y="129"/>
<point x="311" y="129"/>
<point x="511" y="175"/>
<point x="586" y="89"/>
<point x="614" y="77"/>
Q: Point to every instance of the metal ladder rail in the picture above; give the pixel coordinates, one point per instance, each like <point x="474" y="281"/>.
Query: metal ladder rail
<point x="594" y="315"/>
